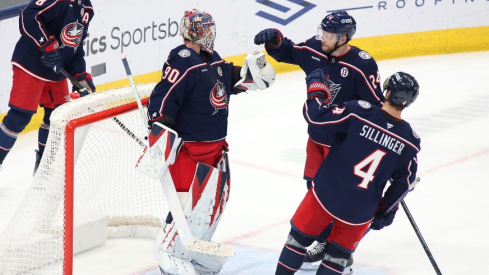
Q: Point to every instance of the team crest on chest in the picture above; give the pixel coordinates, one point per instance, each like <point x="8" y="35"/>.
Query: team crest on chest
<point x="335" y="89"/>
<point x="71" y="35"/>
<point x="218" y="97"/>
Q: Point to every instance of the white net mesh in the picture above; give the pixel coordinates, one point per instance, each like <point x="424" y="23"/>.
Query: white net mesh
<point x="105" y="182"/>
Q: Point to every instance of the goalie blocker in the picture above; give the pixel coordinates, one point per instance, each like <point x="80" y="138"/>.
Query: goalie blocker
<point x="163" y="148"/>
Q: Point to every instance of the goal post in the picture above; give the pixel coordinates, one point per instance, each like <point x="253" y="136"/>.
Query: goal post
<point x="86" y="188"/>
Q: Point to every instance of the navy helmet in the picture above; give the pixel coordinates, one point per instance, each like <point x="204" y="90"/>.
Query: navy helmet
<point x="339" y="22"/>
<point x="404" y="88"/>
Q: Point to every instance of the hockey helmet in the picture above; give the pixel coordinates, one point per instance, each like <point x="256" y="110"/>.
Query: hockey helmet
<point x="404" y="89"/>
<point x="200" y="28"/>
<point x="338" y="22"/>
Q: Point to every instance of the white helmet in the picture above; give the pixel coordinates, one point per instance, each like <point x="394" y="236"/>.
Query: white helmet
<point x="199" y="27"/>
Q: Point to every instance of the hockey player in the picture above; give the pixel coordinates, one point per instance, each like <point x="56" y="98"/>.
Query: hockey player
<point x="52" y="34"/>
<point x="191" y="102"/>
<point x="379" y="146"/>
<point x="353" y="72"/>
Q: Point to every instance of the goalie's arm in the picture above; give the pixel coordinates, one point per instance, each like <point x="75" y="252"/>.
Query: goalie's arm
<point x="168" y="121"/>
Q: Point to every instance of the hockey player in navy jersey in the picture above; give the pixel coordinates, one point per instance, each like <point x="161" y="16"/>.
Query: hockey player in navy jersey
<point x="353" y="72"/>
<point x="52" y="34"/>
<point x="372" y="145"/>
<point x="191" y="101"/>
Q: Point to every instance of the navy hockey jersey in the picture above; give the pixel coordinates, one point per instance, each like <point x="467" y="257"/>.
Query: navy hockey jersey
<point x="355" y="75"/>
<point x="67" y="21"/>
<point x="194" y="90"/>
<point x="370" y="147"/>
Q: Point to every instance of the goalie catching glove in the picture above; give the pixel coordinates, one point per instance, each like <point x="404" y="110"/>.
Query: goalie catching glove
<point x="256" y="73"/>
<point x="164" y="145"/>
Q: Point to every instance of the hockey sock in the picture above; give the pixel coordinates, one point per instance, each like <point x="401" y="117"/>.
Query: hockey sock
<point x="43" y="133"/>
<point x="13" y="123"/>
<point x="293" y="253"/>
<point x="335" y="260"/>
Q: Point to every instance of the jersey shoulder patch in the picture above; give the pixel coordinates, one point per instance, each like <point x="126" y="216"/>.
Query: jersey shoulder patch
<point x="364" y="55"/>
<point x="364" y="104"/>
<point x="184" y="53"/>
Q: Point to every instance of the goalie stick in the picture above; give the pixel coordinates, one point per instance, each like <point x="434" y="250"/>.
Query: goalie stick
<point x="115" y="119"/>
<point x="171" y="196"/>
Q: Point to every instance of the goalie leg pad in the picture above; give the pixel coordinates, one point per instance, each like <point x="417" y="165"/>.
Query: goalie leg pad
<point x="173" y="265"/>
<point x="207" y="200"/>
<point x="256" y="73"/>
<point x="163" y="148"/>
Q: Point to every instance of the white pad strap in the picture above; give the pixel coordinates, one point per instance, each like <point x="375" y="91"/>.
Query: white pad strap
<point x="164" y="145"/>
<point x="262" y="73"/>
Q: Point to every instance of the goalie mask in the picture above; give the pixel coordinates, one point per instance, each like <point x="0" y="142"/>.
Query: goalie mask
<point x="404" y="89"/>
<point x="200" y="28"/>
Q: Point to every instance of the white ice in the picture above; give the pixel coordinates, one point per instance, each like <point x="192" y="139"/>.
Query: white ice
<point x="267" y="137"/>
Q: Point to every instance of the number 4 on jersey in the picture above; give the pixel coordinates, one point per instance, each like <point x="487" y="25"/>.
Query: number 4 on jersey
<point x="372" y="161"/>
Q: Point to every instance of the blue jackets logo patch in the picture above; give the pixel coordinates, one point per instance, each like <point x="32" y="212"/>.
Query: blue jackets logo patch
<point x="218" y="97"/>
<point x="71" y="35"/>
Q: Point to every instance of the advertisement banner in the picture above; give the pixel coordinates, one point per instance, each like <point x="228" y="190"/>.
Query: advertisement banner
<point x="146" y="30"/>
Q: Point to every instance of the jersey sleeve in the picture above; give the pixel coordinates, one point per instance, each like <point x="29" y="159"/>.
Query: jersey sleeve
<point x="32" y="18"/>
<point x="368" y="85"/>
<point x="77" y="64"/>
<point x="177" y="80"/>
<point x="234" y="73"/>
<point x="324" y="118"/>
<point x="401" y="179"/>
<point x="289" y="52"/>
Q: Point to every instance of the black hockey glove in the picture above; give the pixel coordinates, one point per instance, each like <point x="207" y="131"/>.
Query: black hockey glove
<point x="51" y="55"/>
<point x="318" y="85"/>
<point x="85" y="79"/>
<point x="381" y="218"/>
<point x="271" y="37"/>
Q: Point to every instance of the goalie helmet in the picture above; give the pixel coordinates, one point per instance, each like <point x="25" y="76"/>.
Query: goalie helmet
<point x="404" y="89"/>
<point x="338" y="22"/>
<point x="200" y="28"/>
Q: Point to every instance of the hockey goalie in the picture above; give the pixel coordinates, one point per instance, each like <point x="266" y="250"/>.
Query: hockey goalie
<point x="188" y="114"/>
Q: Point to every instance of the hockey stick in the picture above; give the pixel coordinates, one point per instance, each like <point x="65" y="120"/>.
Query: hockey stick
<point x="171" y="196"/>
<point x="420" y="237"/>
<point x="116" y="120"/>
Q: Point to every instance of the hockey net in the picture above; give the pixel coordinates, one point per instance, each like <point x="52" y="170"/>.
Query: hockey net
<point x="86" y="180"/>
